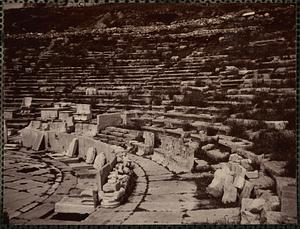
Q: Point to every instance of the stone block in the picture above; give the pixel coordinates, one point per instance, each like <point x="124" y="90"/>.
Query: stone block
<point x="143" y="149"/>
<point x="64" y="115"/>
<point x="106" y="120"/>
<point x="73" y="148"/>
<point x="45" y="126"/>
<point x="111" y="187"/>
<point x="263" y="181"/>
<point x="28" y="137"/>
<point x="235" y="158"/>
<point x="247" y="189"/>
<point x="208" y="147"/>
<point x="90" y="155"/>
<point x="201" y="166"/>
<point x="230" y="191"/>
<point x="39" y="142"/>
<point x="271" y="217"/>
<point x="86" y="129"/>
<point x="246" y="163"/>
<point x="274" y="168"/>
<point x="249" y="218"/>
<point x="101" y="176"/>
<point x="49" y="113"/>
<point x="8" y="114"/>
<point x="83" y="109"/>
<point x="75" y="205"/>
<point x="215" y="188"/>
<point x="100" y="161"/>
<point x="253" y="205"/>
<point x="149" y="138"/>
<point x="91" y="91"/>
<point x="272" y="204"/>
<point x="82" y="117"/>
<point x="252" y="174"/>
<point x="26" y="102"/>
<point x="217" y="156"/>
<point x="239" y="182"/>
<point x="60" y="127"/>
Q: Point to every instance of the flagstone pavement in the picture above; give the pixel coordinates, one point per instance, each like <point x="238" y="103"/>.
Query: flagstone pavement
<point x="33" y="183"/>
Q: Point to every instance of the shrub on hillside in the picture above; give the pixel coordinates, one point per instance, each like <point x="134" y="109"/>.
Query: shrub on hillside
<point x="279" y="144"/>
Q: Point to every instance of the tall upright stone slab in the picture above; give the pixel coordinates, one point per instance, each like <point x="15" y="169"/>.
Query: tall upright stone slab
<point x="149" y="138"/>
<point x="73" y="148"/>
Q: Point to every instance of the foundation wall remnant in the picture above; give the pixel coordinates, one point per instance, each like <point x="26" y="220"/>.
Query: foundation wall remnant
<point x="59" y="142"/>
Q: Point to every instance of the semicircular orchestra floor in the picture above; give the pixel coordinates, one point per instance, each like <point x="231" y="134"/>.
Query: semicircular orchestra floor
<point x="34" y="182"/>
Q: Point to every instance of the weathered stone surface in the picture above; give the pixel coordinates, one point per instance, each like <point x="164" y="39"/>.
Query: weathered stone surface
<point x="235" y="158"/>
<point x="213" y="216"/>
<point x="91" y="91"/>
<point x="253" y="205"/>
<point x="64" y="115"/>
<point x="111" y="187"/>
<point x="275" y="168"/>
<point x="105" y="120"/>
<point x="289" y="202"/>
<point x="100" y="160"/>
<point x="230" y="192"/>
<point x="178" y="156"/>
<point x="201" y="166"/>
<point x="73" y="148"/>
<point x="35" y="124"/>
<point x="39" y="142"/>
<point x="74" y="205"/>
<point x="28" y="136"/>
<point x="217" y="155"/>
<point x="49" y="113"/>
<point x="82" y="117"/>
<point x="263" y="181"/>
<point x="239" y="182"/>
<point x="252" y="174"/>
<point x="271" y="217"/>
<point x="101" y="176"/>
<point x="215" y="188"/>
<point x="249" y="218"/>
<point x="143" y="149"/>
<point x="83" y="109"/>
<point x="90" y="155"/>
<point x="149" y="138"/>
<point x="247" y="189"/>
<point x="246" y="163"/>
<point x="272" y="203"/>
<point x="208" y="147"/>
<point x="86" y="129"/>
<point x="60" y="127"/>
<point x="283" y="181"/>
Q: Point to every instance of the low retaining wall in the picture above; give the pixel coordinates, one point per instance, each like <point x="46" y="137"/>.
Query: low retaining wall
<point x="59" y="142"/>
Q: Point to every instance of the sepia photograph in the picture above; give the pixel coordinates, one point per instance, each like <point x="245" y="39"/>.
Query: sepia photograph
<point x="146" y="113"/>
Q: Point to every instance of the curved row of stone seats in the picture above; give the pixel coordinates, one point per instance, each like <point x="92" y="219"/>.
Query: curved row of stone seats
<point x="92" y="161"/>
